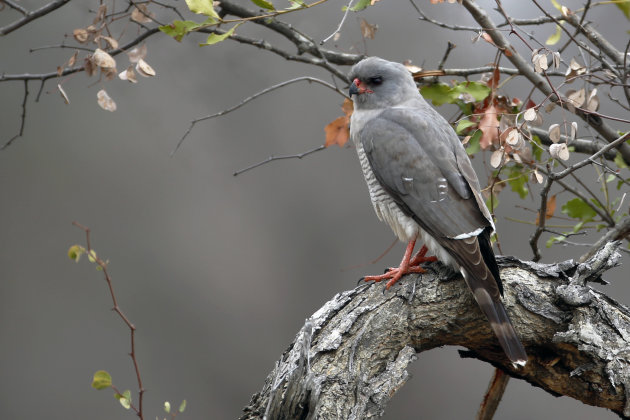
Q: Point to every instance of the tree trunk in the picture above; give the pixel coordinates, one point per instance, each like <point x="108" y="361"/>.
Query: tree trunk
<point x="351" y="356"/>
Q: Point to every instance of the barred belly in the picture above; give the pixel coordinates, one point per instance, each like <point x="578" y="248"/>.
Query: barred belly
<point x="404" y="227"/>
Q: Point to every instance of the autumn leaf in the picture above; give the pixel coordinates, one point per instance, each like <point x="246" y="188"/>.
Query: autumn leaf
<point x="489" y="127"/>
<point x="551" y="209"/>
<point x="338" y="131"/>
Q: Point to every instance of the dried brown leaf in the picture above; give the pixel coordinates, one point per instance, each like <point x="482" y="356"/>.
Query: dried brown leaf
<point x="489" y="127"/>
<point x="144" y="68"/>
<point x="338" y="131"/>
<point x="80" y="35"/>
<point x="592" y="103"/>
<point x="367" y="30"/>
<point x="128" y="75"/>
<point x="100" y="14"/>
<point x="559" y="151"/>
<point x="497" y="158"/>
<point x="105" y="102"/>
<point x="113" y="44"/>
<point x="141" y="14"/>
<point x="63" y="94"/>
<point x="577" y="97"/>
<point x="103" y="59"/>
<point x="89" y="66"/>
<point x="137" y="53"/>
<point x="554" y="132"/>
<point x="72" y="60"/>
<point x="530" y="114"/>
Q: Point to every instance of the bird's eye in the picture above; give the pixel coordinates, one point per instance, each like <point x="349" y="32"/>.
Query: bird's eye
<point x="376" y="80"/>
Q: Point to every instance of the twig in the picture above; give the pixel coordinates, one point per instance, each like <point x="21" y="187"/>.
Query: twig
<point x="496" y="389"/>
<point x="250" y="98"/>
<point x="542" y="217"/>
<point x="22" y="118"/>
<point x="619" y="232"/>
<point x="31" y="16"/>
<point x="132" y="328"/>
<point x="282" y="157"/>
<point x="343" y="19"/>
<point x="480" y="15"/>
<point x="449" y="47"/>
<point x="425" y="18"/>
<point x="15" y="6"/>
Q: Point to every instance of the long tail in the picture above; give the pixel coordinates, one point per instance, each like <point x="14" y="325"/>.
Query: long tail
<point x="501" y="325"/>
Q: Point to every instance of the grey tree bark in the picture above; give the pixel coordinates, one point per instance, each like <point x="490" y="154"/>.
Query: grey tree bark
<point x="351" y="356"/>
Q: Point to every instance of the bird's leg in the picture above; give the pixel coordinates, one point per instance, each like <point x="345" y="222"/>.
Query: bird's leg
<point x="420" y="258"/>
<point x="407" y="265"/>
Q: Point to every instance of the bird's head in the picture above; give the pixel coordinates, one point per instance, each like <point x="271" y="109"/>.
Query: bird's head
<point x="378" y="83"/>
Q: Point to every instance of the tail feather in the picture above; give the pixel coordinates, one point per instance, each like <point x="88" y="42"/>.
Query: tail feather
<point x="502" y="327"/>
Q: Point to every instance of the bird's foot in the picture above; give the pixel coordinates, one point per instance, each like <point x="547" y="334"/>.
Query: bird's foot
<point x="421" y="257"/>
<point x="394" y="274"/>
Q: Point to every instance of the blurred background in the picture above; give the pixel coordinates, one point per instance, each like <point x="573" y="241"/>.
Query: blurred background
<point x="217" y="272"/>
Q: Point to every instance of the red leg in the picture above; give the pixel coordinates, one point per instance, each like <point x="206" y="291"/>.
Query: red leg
<point x="420" y="257"/>
<point x="407" y="265"/>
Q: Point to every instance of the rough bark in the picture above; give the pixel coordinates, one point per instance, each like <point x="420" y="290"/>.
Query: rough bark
<point x="351" y="356"/>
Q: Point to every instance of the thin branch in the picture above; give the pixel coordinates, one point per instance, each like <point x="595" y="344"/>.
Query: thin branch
<point x="15" y="6"/>
<point x="496" y="389"/>
<point x="132" y="328"/>
<point x="621" y="139"/>
<point x="281" y="157"/>
<point x="581" y="145"/>
<point x="480" y="15"/>
<point x="542" y="217"/>
<point x="425" y="18"/>
<point x="22" y="118"/>
<point x="343" y="19"/>
<point x="252" y="97"/>
<point x="619" y="232"/>
<point x="449" y="47"/>
<point x="31" y="16"/>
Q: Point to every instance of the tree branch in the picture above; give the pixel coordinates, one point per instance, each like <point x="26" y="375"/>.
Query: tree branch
<point x="31" y="16"/>
<point x="607" y="132"/>
<point x="352" y="355"/>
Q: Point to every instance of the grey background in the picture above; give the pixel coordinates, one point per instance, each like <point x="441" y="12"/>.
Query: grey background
<point x="217" y="272"/>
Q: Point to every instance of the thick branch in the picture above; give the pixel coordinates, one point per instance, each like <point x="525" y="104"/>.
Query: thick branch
<point x="352" y="355"/>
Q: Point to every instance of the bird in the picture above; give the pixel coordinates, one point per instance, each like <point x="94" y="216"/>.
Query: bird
<point x="422" y="184"/>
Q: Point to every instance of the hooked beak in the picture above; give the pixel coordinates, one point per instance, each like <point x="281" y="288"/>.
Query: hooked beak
<point x="355" y="87"/>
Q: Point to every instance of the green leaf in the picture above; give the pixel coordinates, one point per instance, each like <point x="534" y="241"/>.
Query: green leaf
<point x="124" y="399"/>
<point x="202" y="7"/>
<point x="517" y="180"/>
<point x="537" y="149"/>
<point x="92" y="256"/>
<point x="477" y="90"/>
<point x="182" y="406"/>
<point x="264" y="4"/>
<point x="216" y="38"/>
<point x="578" y="209"/>
<point x="553" y="240"/>
<point x="167" y="406"/>
<point x="556" y="4"/>
<point x="619" y="161"/>
<point x="296" y="4"/>
<point x="625" y="8"/>
<point x="101" y="380"/>
<point x="438" y="93"/>
<point x="463" y="125"/>
<point x="75" y="252"/>
<point x="492" y="202"/>
<point x="362" y="4"/>
<point x="473" y="146"/>
<point x="179" y="28"/>
<point x="554" y="38"/>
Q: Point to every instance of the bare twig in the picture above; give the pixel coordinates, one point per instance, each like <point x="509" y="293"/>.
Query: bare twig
<point x="424" y="17"/>
<point x="252" y="97"/>
<point x="542" y="217"/>
<point x="480" y="15"/>
<point x="22" y="118"/>
<point x="281" y="157"/>
<point x="343" y="19"/>
<point x="30" y="16"/>
<point x="132" y="328"/>
<point x="619" y="232"/>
